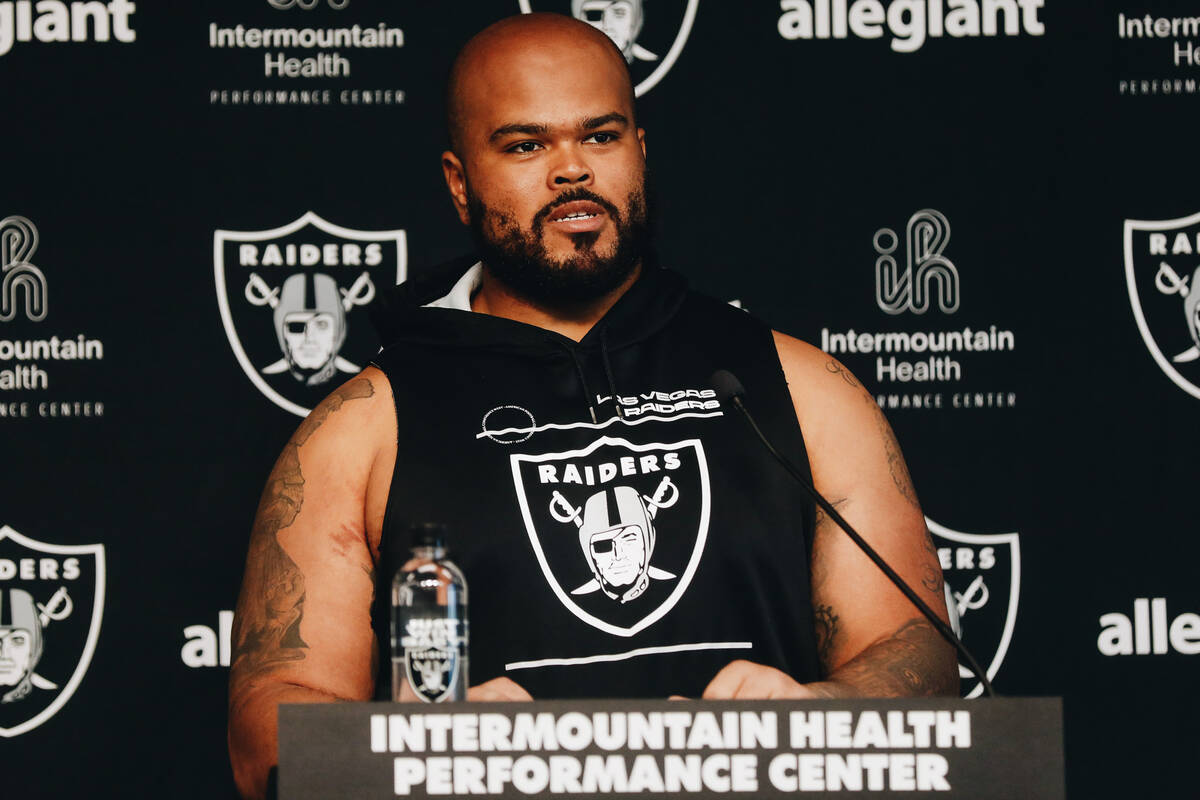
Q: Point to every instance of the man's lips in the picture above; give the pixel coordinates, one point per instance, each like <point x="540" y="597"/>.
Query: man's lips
<point x="578" y="216"/>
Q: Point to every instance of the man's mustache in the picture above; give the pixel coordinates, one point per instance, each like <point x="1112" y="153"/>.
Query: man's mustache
<point x="570" y="196"/>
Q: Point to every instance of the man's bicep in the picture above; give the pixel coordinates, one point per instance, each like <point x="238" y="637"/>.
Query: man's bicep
<point x="303" y="615"/>
<point x="857" y="464"/>
<point x="855" y="604"/>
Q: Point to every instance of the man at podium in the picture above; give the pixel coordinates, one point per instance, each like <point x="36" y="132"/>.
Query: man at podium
<point x="622" y="531"/>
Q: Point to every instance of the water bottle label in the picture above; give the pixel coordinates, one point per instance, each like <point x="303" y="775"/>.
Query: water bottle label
<point x="432" y="648"/>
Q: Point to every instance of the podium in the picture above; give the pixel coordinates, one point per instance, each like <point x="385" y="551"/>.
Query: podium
<point x="948" y="748"/>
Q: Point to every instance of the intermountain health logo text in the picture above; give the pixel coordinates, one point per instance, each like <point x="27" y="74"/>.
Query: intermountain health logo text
<point x="917" y="279"/>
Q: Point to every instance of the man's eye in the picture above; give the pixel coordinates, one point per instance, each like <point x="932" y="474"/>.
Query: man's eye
<point x="524" y="147"/>
<point x="602" y="137"/>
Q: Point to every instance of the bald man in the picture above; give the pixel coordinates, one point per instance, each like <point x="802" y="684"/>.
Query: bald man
<point x="621" y="533"/>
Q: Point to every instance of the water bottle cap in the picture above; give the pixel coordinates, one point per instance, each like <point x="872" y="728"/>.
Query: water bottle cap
<point x="428" y="534"/>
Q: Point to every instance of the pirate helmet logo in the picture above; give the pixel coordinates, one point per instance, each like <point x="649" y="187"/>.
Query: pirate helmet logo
<point x="1162" y="268"/>
<point x="310" y="324"/>
<point x="616" y="534"/>
<point x="313" y="278"/>
<point x="20" y="643"/>
<point x="650" y="42"/>
<point x="622" y="558"/>
<point x="47" y="634"/>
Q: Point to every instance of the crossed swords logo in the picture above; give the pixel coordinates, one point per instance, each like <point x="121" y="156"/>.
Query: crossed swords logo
<point x="1168" y="281"/>
<point x="976" y="596"/>
<point x="58" y="609"/>
<point x="665" y="496"/>
<point x="260" y="293"/>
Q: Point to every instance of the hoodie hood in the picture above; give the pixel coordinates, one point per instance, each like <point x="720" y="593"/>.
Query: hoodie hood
<point x="402" y="314"/>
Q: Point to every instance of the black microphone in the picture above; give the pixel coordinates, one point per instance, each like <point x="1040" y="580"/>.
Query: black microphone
<point x="729" y="388"/>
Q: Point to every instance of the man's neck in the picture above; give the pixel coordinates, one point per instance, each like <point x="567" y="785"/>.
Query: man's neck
<point x="570" y="320"/>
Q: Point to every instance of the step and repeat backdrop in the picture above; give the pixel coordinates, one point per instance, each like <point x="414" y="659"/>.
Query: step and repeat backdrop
<point x="987" y="209"/>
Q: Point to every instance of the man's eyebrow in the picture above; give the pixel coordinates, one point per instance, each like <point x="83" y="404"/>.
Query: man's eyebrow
<point x="542" y="129"/>
<point x="527" y="128"/>
<point x="591" y="123"/>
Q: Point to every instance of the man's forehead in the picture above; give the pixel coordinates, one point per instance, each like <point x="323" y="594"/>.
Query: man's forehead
<point x="545" y="95"/>
<point x="541" y="74"/>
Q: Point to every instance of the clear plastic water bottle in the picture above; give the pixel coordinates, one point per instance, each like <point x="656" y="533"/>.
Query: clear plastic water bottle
<point x="429" y="621"/>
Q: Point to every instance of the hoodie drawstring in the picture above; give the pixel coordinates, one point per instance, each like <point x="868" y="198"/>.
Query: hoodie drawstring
<point x="587" y="394"/>
<point x="608" y="371"/>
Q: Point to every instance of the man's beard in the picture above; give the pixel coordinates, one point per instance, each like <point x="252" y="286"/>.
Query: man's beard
<point x="519" y="258"/>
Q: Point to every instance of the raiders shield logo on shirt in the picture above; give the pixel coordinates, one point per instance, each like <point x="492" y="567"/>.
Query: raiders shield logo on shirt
<point x="983" y="578"/>
<point x="617" y="528"/>
<point x="649" y="33"/>
<point x="1162" y="268"/>
<point x="51" y="602"/>
<point x="293" y="303"/>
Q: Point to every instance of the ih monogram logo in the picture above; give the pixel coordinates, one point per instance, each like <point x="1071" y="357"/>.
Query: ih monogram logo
<point x="18" y="242"/>
<point x="926" y="273"/>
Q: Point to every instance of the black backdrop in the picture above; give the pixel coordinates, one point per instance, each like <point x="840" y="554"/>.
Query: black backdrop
<point x="775" y="162"/>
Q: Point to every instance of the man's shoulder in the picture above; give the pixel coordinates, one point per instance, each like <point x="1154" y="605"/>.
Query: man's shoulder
<point x="355" y="412"/>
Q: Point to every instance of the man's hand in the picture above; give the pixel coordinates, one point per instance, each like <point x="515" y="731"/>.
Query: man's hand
<point x="497" y="690"/>
<point x="745" y="680"/>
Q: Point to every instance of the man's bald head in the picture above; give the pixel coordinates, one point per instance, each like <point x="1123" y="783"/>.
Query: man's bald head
<point x="498" y="48"/>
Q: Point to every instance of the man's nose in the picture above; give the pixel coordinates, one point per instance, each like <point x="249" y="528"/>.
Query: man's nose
<point x="570" y="168"/>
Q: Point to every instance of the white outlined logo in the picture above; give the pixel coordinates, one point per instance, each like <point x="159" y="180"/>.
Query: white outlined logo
<point x="307" y="5"/>
<point x="651" y="41"/>
<point x="51" y="605"/>
<point x="618" y="528"/>
<point x="23" y="287"/>
<point x="983" y="574"/>
<point x="926" y="275"/>
<point x="292" y="298"/>
<point x="1162" y="268"/>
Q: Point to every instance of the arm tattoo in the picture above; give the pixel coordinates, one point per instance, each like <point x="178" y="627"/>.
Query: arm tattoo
<point x="915" y="661"/>
<point x="266" y="628"/>
<point x="826" y="624"/>
<point x="837" y="369"/>
<point x="896" y="465"/>
<point x="931" y="579"/>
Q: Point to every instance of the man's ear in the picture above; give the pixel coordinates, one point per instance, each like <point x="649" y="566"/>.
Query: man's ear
<point x="641" y="136"/>
<point x="456" y="182"/>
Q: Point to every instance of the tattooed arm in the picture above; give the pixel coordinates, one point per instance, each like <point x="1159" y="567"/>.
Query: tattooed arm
<point x="302" y="630"/>
<point x="872" y="641"/>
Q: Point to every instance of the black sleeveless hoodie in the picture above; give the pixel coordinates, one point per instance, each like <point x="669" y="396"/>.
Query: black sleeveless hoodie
<point x="623" y="534"/>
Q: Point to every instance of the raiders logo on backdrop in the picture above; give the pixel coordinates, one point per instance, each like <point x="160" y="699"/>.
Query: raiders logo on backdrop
<point x="1162" y="270"/>
<point x="983" y="582"/>
<point x="292" y="300"/>
<point x="51" y="602"/>
<point x="650" y="33"/>
<point x="618" y="528"/>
